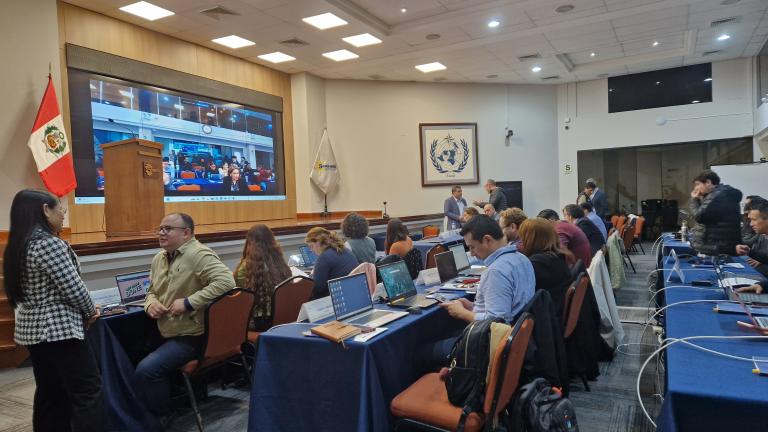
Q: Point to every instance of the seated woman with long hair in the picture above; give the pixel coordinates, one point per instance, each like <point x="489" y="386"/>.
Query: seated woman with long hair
<point x="398" y="242"/>
<point x="333" y="259"/>
<point x="539" y="243"/>
<point x="261" y="268"/>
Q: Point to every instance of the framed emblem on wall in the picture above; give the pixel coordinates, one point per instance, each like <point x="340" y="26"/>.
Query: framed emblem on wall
<point x="448" y="154"/>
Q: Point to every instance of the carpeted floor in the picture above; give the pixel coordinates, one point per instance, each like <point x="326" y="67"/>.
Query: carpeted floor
<point x="611" y="406"/>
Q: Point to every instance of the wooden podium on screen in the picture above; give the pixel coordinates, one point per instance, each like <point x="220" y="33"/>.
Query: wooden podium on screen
<point x="133" y="187"/>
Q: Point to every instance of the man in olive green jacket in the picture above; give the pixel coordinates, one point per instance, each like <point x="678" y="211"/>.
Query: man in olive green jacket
<point x="185" y="277"/>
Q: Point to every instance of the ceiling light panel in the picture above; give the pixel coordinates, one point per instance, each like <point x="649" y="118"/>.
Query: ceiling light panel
<point x="324" y="21"/>
<point x="276" y="57"/>
<point x="431" y="67"/>
<point x="340" y="55"/>
<point x="146" y="10"/>
<point x="362" y="40"/>
<point x="233" y="41"/>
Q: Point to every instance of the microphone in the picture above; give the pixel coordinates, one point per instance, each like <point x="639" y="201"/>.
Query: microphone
<point x="133" y="134"/>
<point x="385" y="215"/>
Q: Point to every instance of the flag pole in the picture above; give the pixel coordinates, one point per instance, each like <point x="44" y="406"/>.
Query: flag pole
<point x="325" y="212"/>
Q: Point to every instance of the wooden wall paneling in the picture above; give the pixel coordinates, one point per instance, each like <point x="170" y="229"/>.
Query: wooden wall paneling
<point x="92" y="30"/>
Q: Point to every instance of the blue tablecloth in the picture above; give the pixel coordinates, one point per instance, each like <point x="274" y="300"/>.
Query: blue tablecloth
<point x="706" y="392"/>
<point x="115" y="341"/>
<point x="307" y="383"/>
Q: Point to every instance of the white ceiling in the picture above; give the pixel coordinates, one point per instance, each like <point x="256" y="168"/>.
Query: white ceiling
<point x="619" y="32"/>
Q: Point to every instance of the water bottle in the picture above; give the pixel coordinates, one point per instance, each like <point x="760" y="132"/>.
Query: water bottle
<point x="684" y="231"/>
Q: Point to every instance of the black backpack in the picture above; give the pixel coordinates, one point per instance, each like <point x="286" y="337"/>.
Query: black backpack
<point x="470" y="355"/>
<point x="538" y="407"/>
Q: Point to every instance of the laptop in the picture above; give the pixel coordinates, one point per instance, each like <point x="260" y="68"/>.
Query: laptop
<point x="761" y="323"/>
<point x="352" y="303"/>
<point x="449" y="275"/>
<point x="133" y="287"/>
<point x="400" y="288"/>
<point x="729" y="284"/>
<point x="462" y="261"/>
<point x="676" y="270"/>
<point x="308" y="257"/>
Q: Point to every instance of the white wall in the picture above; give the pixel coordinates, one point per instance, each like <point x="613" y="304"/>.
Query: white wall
<point x="29" y="43"/>
<point x="374" y="130"/>
<point x="592" y="127"/>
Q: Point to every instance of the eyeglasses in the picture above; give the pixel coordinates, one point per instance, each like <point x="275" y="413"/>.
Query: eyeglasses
<point x="168" y="228"/>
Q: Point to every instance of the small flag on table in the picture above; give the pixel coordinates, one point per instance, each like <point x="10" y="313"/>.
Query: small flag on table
<point x="50" y="146"/>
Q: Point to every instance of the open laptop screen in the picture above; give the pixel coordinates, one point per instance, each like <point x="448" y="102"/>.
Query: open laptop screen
<point x="446" y="266"/>
<point x="133" y="286"/>
<point x="350" y="295"/>
<point x="397" y="280"/>
<point x="307" y="256"/>
<point x="459" y="256"/>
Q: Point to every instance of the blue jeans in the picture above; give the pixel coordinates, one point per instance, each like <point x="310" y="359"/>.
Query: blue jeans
<point x="153" y="374"/>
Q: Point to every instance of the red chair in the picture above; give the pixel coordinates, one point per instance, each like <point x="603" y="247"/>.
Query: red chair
<point x="628" y="237"/>
<point x="226" y="328"/>
<point x="638" y="233"/>
<point x="425" y="403"/>
<point x="188" y="188"/>
<point x="187" y="175"/>
<point x="287" y="299"/>
<point x="574" y="299"/>
<point x="430" y="231"/>
<point x="254" y="188"/>
<point x="436" y="249"/>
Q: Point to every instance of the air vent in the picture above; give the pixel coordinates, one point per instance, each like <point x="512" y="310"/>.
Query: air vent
<point x="527" y="57"/>
<point x="217" y="12"/>
<point x="294" y="42"/>
<point x="725" y="21"/>
<point x="551" y="77"/>
<point x="709" y="53"/>
<point x="439" y="79"/>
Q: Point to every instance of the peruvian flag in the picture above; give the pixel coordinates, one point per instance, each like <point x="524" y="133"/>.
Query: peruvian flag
<point x="50" y="146"/>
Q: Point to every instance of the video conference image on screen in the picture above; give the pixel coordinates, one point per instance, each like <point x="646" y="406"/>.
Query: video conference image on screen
<point x="212" y="150"/>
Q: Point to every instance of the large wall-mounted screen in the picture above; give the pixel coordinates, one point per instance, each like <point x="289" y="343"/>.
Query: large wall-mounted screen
<point x="213" y="150"/>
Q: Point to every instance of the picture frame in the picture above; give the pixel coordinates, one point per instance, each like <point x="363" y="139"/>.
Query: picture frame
<point x="448" y="154"/>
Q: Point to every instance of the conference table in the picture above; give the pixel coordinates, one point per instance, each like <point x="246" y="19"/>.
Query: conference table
<point x="309" y="383"/>
<point x="705" y="391"/>
<point x="119" y="343"/>
<point x="445" y="239"/>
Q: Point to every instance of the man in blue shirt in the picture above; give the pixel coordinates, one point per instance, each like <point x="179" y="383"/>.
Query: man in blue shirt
<point x="506" y="286"/>
<point x="590" y="214"/>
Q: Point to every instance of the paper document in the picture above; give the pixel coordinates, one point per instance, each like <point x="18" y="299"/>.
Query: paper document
<point x="365" y="337"/>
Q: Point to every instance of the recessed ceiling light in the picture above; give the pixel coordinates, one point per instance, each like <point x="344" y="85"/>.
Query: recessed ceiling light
<point x="707" y="79"/>
<point x="658" y="82"/>
<point x="340" y="55"/>
<point x="655" y="43"/>
<point x="564" y="8"/>
<point x="610" y="90"/>
<point x="724" y="36"/>
<point x="277" y="57"/>
<point x="493" y="24"/>
<point x="431" y="67"/>
<point x="432" y="36"/>
<point x="536" y="69"/>
<point x="233" y="41"/>
<point x="592" y="54"/>
<point x="146" y="10"/>
<point x="324" y="21"/>
<point x="362" y="40"/>
<point x="695" y="101"/>
<point x="403" y="10"/>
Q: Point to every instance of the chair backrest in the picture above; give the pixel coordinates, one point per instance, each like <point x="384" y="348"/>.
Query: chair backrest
<point x="288" y="297"/>
<point x="188" y="188"/>
<point x="620" y="221"/>
<point x="436" y="249"/>
<point x="574" y="299"/>
<point x="628" y="236"/>
<point x="614" y="220"/>
<point x="226" y="324"/>
<point x="370" y="274"/>
<point x="639" y="226"/>
<point x="576" y="269"/>
<point x="505" y="367"/>
<point x="187" y="175"/>
<point x="430" y="231"/>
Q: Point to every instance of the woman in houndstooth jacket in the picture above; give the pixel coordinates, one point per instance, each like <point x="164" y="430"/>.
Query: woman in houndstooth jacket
<point x="53" y="309"/>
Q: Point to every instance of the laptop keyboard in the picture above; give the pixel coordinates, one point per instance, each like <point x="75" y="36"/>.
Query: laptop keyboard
<point x="369" y="317"/>
<point x="753" y="298"/>
<point x="762" y="322"/>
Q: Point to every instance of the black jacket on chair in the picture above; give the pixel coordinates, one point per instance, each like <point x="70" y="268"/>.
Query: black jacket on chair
<point x="545" y="357"/>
